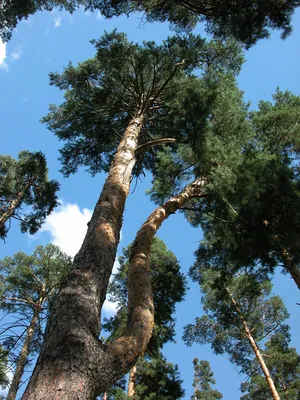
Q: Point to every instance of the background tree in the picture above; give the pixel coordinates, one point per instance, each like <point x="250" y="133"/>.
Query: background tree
<point x="203" y="379"/>
<point x="29" y="284"/>
<point x="247" y="21"/>
<point x="240" y="313"/>
<point x="256" y="222"/>
<point x="24" y="184"/>
<point x="105" y="92"/>
<point x="284" y="365"/>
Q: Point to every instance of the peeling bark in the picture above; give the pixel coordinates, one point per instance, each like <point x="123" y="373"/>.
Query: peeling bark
<point x="257" y="353"/>
<point x="68" y="366"/>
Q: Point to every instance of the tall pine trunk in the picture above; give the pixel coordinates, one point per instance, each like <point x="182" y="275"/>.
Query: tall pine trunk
<point x="256" y="351"/>
<point x="292" y="268"/>
<point x="73" y="363"/>
<point x="14" y="386"/>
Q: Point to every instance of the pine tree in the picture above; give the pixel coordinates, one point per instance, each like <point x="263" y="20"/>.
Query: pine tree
<point x="104" y="97"/>
<point x="203" y="379"/>
<point x="29" y="285"/>
<point x="25" y="183"/>
<point x="240" y="313"/>
<point x="284" y="365"/>
<point x="247" y="21"/>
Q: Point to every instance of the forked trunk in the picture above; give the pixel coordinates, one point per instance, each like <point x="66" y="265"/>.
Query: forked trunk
<point x="257" y="353"/>
<point x="73" y="363"/>
<point x="14" y="386"/>
<point x="132" y="382"/>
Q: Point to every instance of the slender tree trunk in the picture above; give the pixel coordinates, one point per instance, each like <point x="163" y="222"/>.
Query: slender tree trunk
<point x="132" y="382"/>
<point x="257" y="353"/>
<point x="69" y="366"/>
<point x="12" y="393"/>
<point x="13" y="205"/>
<point x="104" y="396"/>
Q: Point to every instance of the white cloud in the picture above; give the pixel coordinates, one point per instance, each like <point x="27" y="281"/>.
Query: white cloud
<point x="57" y="22"/>
<point x="67" y="226"/>
<point x="3" y="64"/>
<point x="16" y="54"/>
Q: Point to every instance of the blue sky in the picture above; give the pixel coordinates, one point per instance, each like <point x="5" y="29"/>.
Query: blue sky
<point x="47" y="42"/>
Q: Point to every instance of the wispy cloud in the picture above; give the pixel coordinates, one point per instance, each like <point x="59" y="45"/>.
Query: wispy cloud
<point x="57" y="22"/>
<point x="16" y="54"/>
<point x="3" y="64"/>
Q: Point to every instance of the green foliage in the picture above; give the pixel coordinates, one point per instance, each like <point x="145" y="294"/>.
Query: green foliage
<point x="168" y="285"/>
<point x="203" y="379"/>
<point x="24" y="183"/>
<point x="29" y="284"/>
<point x="256" y="220"/>
<point x="247" y="21"/>
<point x="125" y="80"/>
<point x="223" y="323"/>
<point x="284" y="365"/>
<point x="158" y="380"/>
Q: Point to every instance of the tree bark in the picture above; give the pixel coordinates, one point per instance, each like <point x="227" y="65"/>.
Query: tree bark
<point x="132" y="382"/>
<point x="256" y="351"/>
<point x="74" y="364"/>
<point x="290" y="265"/>
<point x="14" y="386"/>
<point x="68" y="366"/>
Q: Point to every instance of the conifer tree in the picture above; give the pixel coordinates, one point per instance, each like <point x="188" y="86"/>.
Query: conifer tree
<point x="29" y="284"/>
<point x="24" y="183"/>
<point x="248" y="21"/>
<point x="240" y="313"/>
<point x="284" y="365"/>
<point x="203" y="379"/>
<point x="124" y="89"/>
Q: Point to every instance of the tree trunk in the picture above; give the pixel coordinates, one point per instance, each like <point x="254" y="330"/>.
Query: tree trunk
<point x="14" y="386"/>
<point x="132" y="382"/>
<point x="68" y="366"/>
<point x="104" y="396"/>
<point x="257" y="353"/>
<point x="290" y="265"/>
<point x="13" y="205"/>
<point x="74" y="364"/>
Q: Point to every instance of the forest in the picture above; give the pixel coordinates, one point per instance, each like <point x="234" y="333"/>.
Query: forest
<point x="149" y="200"/>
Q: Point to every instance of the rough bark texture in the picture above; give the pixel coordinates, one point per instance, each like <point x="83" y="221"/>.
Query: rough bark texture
<point x="14" y="386"/>
<point x="131" y="382"/>
<point x="257" y="353"/>
<point x="73" y="363"/>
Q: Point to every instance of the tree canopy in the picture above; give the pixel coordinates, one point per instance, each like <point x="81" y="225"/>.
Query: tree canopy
<point x="246" y="21"/>
<point x="203" y="380"/>
<point x="24" y="185"/>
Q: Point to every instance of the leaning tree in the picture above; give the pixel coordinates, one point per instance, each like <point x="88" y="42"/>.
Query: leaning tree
<point x="24" y="184"/>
